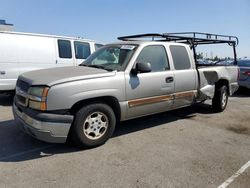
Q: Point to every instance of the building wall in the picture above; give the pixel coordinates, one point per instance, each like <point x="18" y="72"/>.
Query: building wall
<point x="6" y="28"/>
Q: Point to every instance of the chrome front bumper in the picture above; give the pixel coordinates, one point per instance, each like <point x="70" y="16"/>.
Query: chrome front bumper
<point x="46" y="128"/>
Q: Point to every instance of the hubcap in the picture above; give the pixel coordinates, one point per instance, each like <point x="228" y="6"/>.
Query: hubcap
<point x="224" y="99"/>
<point x="95" y="125"/>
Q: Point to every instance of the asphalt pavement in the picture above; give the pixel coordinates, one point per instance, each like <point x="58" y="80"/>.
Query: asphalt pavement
<point x="189" y="147"/>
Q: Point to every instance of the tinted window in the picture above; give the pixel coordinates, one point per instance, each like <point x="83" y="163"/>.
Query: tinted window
<point x="64" y="48"/>
<point x="244" y="63"/>
<point x="97" y="46"/>
<point x="180" y="57"/>
<point x="82" y="50"/>
<point x="156" y="56"/>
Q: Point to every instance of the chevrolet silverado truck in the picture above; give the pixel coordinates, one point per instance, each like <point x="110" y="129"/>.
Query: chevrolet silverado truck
<point x="131" y="78"/>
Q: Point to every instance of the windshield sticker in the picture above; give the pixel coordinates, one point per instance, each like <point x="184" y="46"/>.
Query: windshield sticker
<point x="127" y="47"/>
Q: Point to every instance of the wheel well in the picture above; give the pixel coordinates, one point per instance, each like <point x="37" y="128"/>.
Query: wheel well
<point x="220" y="83"/>
<point x="109" y="100"/>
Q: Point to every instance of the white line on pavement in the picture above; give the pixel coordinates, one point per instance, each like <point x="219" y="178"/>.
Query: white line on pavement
<point x="25" y="152"/>
<point x="235" y="175"/>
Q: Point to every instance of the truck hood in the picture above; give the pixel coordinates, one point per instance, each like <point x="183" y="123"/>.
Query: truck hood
<point x="59" y="75"/>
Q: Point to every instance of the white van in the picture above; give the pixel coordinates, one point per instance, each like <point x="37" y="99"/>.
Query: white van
<point x="23" y="52"/>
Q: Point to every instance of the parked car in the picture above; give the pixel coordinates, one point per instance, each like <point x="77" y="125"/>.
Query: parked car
<point x="225" y="62"/>
<point x="205" y="62"/>
<point x="244" y="80"/>
<point x="120" y="81"/>
<point x="202" y="61"/>
<point x="22" y="52"/>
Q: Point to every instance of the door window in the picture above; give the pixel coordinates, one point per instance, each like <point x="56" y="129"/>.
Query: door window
<point x="155" y="55"/>
<point x="64" y="48"/>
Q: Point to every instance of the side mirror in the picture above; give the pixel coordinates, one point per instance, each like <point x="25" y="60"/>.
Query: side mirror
<point x="142" y="67"/>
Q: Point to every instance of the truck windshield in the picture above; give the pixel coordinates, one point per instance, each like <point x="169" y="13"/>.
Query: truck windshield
<point x="111" y="57"/>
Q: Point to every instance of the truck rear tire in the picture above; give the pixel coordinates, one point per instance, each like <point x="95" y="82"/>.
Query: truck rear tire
<point x="220" y="99"/>
<point x="94" y="124"/>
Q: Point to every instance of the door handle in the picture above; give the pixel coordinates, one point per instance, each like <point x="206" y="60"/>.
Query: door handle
<point x="169" y="79"/>
<point x="2" y="72"/>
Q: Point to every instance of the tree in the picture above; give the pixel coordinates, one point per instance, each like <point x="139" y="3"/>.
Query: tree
<point x="216" y="58"/>
<point x="200" y="55"/>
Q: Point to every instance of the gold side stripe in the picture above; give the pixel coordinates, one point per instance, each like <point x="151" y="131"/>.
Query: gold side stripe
<point x="150" y="100"/>
<point x="184" y="94"/>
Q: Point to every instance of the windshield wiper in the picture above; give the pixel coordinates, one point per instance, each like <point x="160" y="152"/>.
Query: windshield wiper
<point x="96" y="66"/>
<point x="83" y="65"/>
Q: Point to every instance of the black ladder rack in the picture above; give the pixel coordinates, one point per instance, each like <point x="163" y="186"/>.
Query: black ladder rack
<point x="191" y="38"/>
<point x="185" y="37"/>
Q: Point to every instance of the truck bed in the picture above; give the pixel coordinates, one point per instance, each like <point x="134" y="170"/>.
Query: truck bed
<point x="209" y="75"/>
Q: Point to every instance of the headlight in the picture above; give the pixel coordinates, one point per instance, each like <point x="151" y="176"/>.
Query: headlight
<point x="38" y="105"/>
<point x="36" y="91"/>
<point x="38" y="97"/>
<point x="39" y="91"/>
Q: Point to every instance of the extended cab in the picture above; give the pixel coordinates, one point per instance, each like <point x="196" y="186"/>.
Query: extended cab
<point x="120" y="81"/>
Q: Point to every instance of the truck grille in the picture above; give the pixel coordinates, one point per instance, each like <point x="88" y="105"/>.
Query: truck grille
<point x="21" y="100"/>
<point x="24" y="86"/>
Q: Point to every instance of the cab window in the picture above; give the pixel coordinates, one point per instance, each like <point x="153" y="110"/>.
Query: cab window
<point x="180" y="57"/>
<point x="155" y="55"/>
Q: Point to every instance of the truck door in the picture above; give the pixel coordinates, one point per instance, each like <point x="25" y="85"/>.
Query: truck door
<point x="64" y="57"/>
<point x="185" y="76"/>
<point x="149" y="93"/>
<point x="81" y="50"/>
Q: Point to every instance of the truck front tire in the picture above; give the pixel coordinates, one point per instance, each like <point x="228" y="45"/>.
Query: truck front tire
<point x="94" y="124"/>
<point x="220" y="99"/>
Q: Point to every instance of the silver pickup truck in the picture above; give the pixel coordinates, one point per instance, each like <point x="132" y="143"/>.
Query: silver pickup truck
<point x="124" y="80"/>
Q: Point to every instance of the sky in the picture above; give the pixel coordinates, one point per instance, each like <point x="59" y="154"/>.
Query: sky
<point x="105" y="20"/>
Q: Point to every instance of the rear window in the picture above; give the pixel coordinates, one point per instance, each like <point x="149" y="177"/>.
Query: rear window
<point x="82" y="50"/>
<point x="244" y="63"/>
<point x="64" y="48"/>
<point x="180" y="57"/>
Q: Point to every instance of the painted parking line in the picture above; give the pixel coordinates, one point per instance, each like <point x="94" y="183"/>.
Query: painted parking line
<point x="235" y="175"/>
<point x="25" y="152"/>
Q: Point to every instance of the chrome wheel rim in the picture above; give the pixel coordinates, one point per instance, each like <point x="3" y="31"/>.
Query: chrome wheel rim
<point x="224" y="99"/>
<point x="95" y="125"/>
